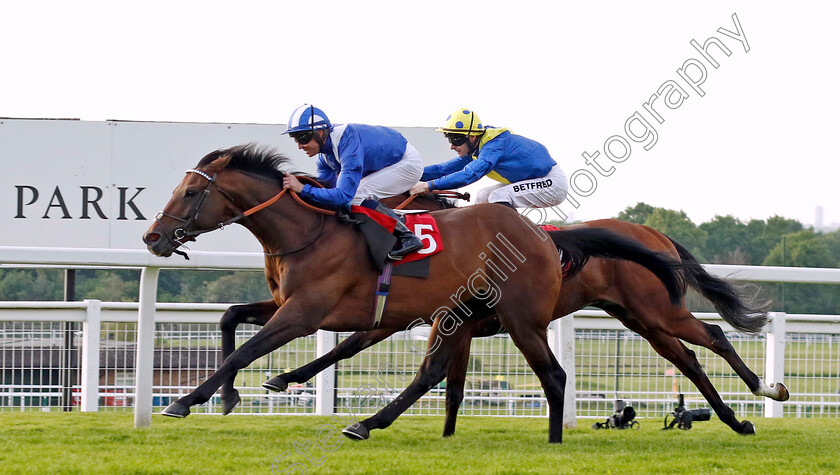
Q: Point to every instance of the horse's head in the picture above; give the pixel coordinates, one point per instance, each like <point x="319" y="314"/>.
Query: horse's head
<point x="197" y="205"/>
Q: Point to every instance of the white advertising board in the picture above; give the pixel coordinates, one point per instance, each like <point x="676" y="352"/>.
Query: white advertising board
<point x="70" y="183"/>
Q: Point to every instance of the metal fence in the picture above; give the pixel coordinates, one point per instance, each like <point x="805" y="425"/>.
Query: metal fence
<point x="610" y="363"/>
<point x="84" y="356"/>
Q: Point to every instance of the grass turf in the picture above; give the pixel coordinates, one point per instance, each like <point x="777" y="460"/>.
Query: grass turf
<point x="107" y="443"/>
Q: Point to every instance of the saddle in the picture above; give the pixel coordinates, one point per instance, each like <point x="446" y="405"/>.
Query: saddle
<point x="378" y="232"/>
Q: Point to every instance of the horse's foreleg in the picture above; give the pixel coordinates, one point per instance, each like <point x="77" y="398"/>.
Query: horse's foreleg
<point x="346" y="349"/>
<point x="255" y="313"/>
<point x="432" y="370"/>
<point x="284" y="326"/>
<point x="684" y="359"/>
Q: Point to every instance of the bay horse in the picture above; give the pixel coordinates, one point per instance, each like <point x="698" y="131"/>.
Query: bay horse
<point x="321" y="277"/>
<point x="625" y="290"/>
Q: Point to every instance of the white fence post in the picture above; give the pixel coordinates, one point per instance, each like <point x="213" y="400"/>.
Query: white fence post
<point x="145" y="359"/>
<point x="91" y="329"/>
<point x="325" y="380"/>
<point x="561" y="340"/>
<point x="774" y="361"/>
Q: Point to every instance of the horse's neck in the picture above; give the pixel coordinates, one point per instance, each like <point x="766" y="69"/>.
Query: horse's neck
<point x="285" y="225"/>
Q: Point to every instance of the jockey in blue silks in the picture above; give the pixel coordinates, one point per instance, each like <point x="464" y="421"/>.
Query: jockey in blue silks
<point x="529" y="177"/>
<point x="358" y="164"/>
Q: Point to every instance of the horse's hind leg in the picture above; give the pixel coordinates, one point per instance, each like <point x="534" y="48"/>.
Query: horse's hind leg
<point x="346" y="349"/>
<point x="676" y="352"/>
<point x="432" y="370"/>
<point x="532" y="342"/>
<point x="254" y="313"/>
<point x="456" y="373"/>
<point x="712" y="337"/>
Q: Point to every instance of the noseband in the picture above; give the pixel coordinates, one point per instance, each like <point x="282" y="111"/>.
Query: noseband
<point x="180" y="234"/>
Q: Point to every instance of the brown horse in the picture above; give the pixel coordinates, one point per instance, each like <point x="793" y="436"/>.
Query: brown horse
<point x="624" y="290"/>
<point x="321" y="276"/>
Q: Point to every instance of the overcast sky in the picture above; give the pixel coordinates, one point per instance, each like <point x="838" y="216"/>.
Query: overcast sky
<point x="758" y="142"/>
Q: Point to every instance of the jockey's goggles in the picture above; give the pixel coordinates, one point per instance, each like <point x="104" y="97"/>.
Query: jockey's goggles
<point x="456" y="139"/>
<point x="303" y="137"/>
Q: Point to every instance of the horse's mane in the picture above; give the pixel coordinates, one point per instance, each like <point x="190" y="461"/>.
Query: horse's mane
<point x="443" y="202"/>
<point x="252" y="158"/>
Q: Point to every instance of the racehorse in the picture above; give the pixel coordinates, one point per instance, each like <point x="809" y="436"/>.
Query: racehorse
<point x="321" y="277"/>
<point x="624" y="290"/>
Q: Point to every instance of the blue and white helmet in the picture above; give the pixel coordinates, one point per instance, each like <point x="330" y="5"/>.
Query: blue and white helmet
<point x="307" y="117"/>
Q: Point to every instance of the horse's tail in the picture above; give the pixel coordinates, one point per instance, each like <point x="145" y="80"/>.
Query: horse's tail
<point x="746" y="315"/>
<point x="578" y="245"/>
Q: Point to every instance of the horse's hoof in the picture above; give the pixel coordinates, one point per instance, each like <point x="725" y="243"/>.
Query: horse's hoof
<point x="356" y="432"/>
<point x="229" y="402"/>
<point x="747" y="428"/>
<point x="784" y="394"/>
<point x="276" y="384"/>
<point x="176" y="409"/>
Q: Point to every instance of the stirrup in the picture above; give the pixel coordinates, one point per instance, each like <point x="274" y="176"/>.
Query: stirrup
<point x="413" y="244"/>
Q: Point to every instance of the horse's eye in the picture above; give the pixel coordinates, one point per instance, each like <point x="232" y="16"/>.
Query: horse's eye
<point x="190" y="193"/>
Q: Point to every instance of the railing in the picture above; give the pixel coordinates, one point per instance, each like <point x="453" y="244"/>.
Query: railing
<point x="334" y="389"/>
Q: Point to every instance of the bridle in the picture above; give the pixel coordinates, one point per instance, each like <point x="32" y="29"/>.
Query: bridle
<point x="180" y="235"/>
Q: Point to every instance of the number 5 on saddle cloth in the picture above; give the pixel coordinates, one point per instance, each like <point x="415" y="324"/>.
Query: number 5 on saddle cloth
<point x="377" y="229"/>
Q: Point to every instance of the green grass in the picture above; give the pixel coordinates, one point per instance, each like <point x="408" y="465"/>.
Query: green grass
<point x="107" y="443"/>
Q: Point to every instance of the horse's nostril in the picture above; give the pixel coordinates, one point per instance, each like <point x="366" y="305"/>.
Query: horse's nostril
<point x="151" y="237"/>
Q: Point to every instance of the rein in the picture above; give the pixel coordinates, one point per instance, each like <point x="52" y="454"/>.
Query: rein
<point x="180" y="234"/>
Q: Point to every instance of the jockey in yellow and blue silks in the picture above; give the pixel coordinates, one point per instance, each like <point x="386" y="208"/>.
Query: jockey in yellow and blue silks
<point x="358" y="164"/>
<point x="529" y="177"/>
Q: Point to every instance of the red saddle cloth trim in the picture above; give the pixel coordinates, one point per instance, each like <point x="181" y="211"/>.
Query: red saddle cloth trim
<point x="425" y="227"/>
<point x="549" y="227"/>
<point x="386" y="222"/>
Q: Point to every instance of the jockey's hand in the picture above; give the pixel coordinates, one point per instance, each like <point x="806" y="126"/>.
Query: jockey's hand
<point x="289" y="181"/>
<point x="419" y="188"/>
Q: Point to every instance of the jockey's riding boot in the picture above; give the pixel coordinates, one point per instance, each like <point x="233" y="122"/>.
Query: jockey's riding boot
<point x="506" y="203"/>
<point x="407" y="242"/>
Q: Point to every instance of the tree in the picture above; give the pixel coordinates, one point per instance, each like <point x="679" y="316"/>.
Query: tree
<point x="31" y="284"/>
<point x="832" y="240"/>
<point x="637" y="214"/>
<point x="802" y="249"/>
<point x="727" y="240"/>
<point x="238" y="287"/>
<point x="806" y="249"/>
<point x="763" y="236"/>
<point x="108" y="285"/>
<point x="677" y="226"/>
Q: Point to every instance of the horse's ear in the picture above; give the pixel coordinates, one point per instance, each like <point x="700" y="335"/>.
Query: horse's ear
<point x="219" y="163"/>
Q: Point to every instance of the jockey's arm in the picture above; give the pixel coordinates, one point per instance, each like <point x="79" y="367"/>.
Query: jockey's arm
<point x="471" y="173"/>
<point x="438" y="170"/>
<point x="326" y="175"/>
<point x="347" y="181"/>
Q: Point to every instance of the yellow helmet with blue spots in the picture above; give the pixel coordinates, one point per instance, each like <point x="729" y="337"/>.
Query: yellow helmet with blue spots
<point x="462" y="121"/>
